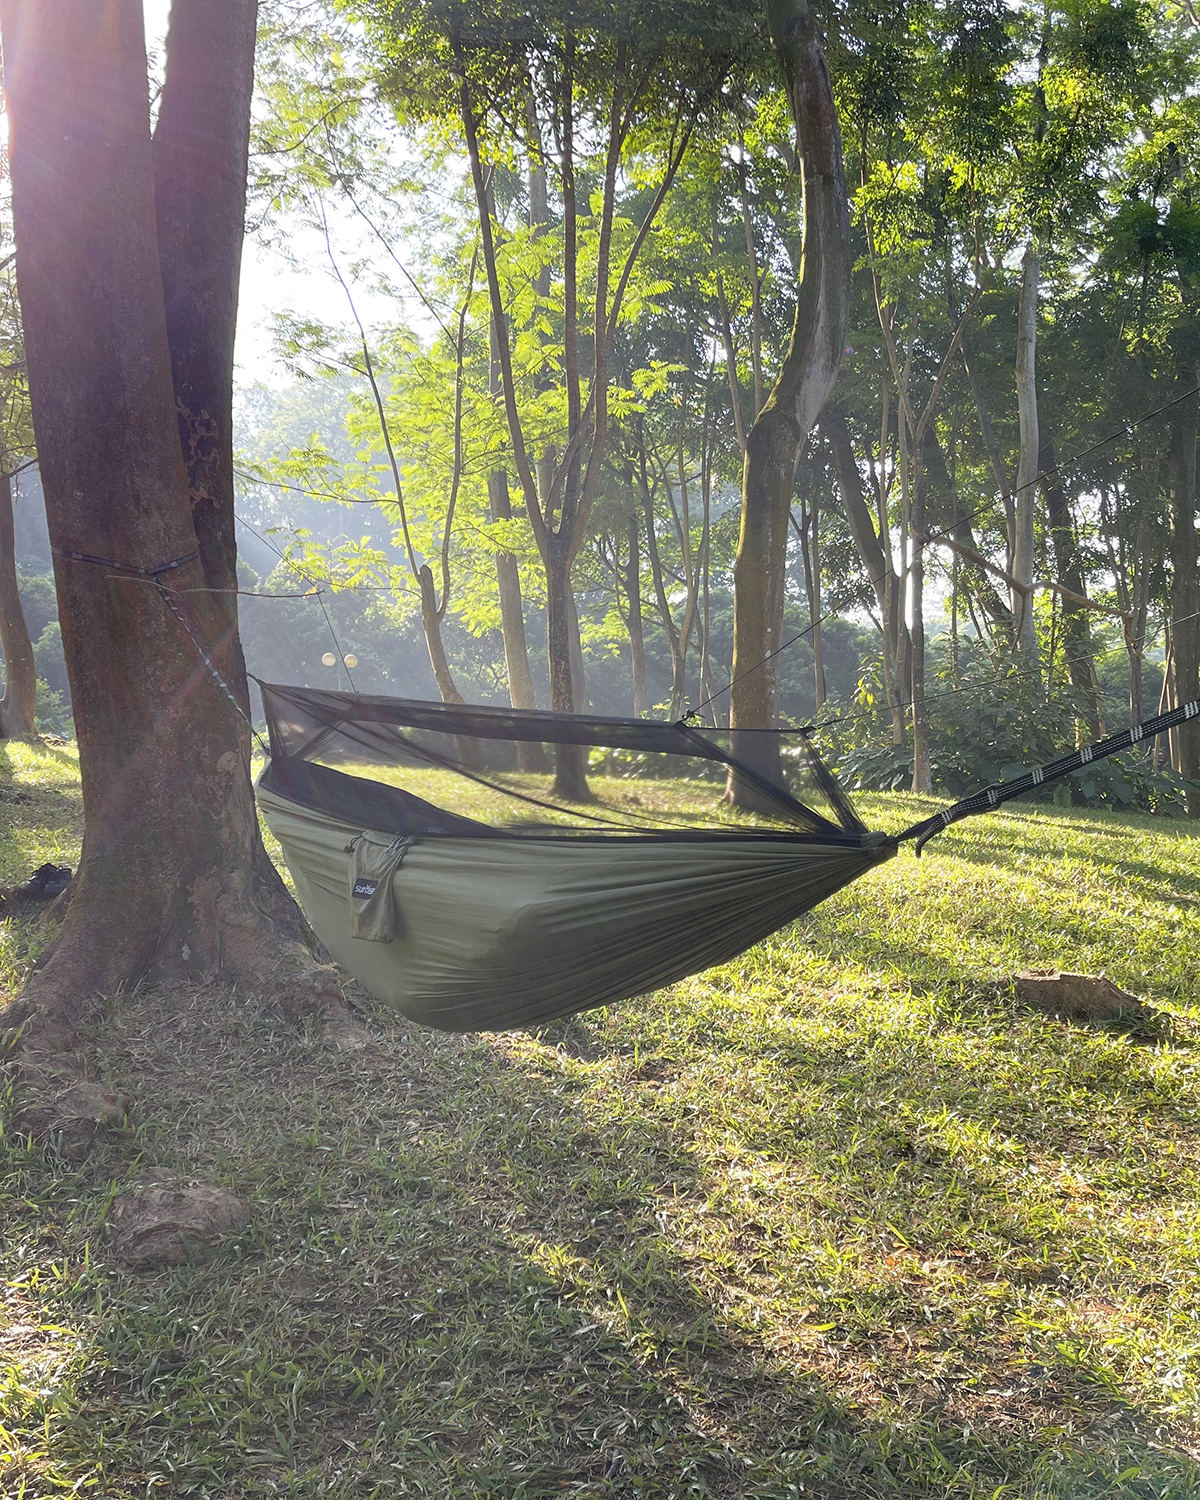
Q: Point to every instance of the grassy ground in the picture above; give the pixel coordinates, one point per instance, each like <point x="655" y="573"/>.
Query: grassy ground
<point x="836" y="1220"/>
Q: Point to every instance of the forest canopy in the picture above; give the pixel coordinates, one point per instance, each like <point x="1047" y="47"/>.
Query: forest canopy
<point x="589" y="224"/>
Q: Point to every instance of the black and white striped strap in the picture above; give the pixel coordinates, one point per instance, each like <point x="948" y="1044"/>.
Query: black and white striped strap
<point x="1004" y="791"/>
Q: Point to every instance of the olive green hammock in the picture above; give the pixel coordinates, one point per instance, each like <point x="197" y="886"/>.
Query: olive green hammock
<point x="439" y="862"/>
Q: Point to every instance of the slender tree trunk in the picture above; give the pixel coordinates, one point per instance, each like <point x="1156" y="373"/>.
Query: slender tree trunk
<point x="570" y="768"/>
<point x="735" y="388"/>
<point x="1026" y="494"/>
<point x="1139" y="611"/>
<point x="168" y="879"/>
<point x="1077" y="635"/>
<point x="813" y="573"/>
<point x="705" y="565"/>
<point x="806" y="378"/>
<point x="752" y="271"/>
<point x="949" y="513"/>
<point x="637" y="637"/>
<point x="530" y="757"/>
<point x="876" y="561"/>
<point x="670" y="632"/>
<point x="512" y="611"/>
<point x="578" y="683"/>
<point x="922" y="760"/>
<point x="993" y="450"/>
<point x="1185" y="584"/>
<point x="20" y="692"/>
<point x="691" y="580"/>
<point x="431" y="624"/>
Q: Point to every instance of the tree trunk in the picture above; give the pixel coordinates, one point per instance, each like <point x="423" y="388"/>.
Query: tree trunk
<point x="512" y="612"/>
<point x="922" y="781"/>
<point x="812" y="580"/>
<point x="1135" y="642"/>
<point x="806" y="378"/>
<point x="508" y="578"/>
<point x="570" y="768"/>
<point x="1077" y="635"/>
<point x="578" y="683"/>
<point x="431" y="624"/>
<point x="637" y="638"/>
<point x="530" y="756"/>
<point x="877" y="561"/>
<point x="20" y="692"/>
<point x="200" y="156"/>
<point x="993" y="450"/>
<point x="1027" y="469"/>
<point x="1185" y="586"/>
<point x="167" y="880"/>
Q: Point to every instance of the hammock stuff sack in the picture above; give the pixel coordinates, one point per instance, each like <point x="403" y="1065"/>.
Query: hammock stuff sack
<point x="486" y="868"/>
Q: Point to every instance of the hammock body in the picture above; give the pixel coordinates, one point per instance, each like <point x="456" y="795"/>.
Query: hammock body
<point x="499" y="932"/>
<point x="466" y="925"/>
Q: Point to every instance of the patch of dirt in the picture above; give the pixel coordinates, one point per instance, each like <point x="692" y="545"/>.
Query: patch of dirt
<point x="1079" y="997"/>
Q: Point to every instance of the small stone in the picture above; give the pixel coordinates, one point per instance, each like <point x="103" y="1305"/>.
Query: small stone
<point x="1079" y="997"/>
<point x="159" y="1223"/>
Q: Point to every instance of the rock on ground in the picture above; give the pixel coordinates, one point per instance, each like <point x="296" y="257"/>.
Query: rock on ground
<point x="160" y="1223"/>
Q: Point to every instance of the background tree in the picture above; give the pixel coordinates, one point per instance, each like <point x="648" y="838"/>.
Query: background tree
<point x="805" y="381"/>
<point x="19" y="708"/>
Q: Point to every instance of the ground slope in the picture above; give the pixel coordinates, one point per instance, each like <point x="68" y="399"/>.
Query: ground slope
<point x="838" y="1219"/>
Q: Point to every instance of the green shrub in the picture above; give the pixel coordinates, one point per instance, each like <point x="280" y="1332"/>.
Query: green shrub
<point x="53" y="712"/>
<point x="988" y="727"/>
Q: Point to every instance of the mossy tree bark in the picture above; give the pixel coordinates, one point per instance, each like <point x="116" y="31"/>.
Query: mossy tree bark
<point x="774" y="443"/>
<point x="127" y="266"/>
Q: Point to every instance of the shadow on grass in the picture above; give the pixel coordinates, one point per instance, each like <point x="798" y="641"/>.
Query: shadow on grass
<point x="520" y="1270"/>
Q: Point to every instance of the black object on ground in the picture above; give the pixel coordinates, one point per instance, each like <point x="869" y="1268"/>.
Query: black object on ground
<point x="46" y="882"/>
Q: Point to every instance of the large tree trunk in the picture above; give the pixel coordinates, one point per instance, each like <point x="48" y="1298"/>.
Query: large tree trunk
<point x="168" y="880"/>
<point x="1027" y="468"/>
<point x="20" y="691"/>
<point x="1185" y="586"/>
<point x="200" y="156"/>
<point x="806" y="378"/>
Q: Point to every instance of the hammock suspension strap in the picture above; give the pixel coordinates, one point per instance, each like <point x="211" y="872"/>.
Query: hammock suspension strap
<point x="1004" y="791"/>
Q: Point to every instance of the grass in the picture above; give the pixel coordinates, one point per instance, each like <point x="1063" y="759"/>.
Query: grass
<point x="836" y="1220"/>
<point x="625" y="798"/>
